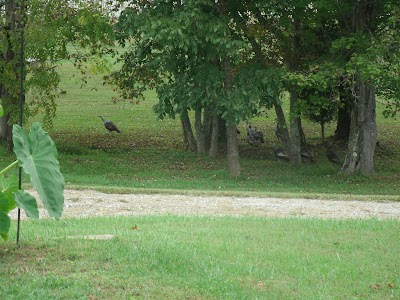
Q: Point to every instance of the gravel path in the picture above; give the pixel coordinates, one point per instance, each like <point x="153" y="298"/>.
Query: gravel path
<point x="89" y="203"/>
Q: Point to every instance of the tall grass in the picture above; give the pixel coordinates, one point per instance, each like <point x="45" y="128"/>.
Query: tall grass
<point x="203" y="258"/>
<point x="149" y="153"/>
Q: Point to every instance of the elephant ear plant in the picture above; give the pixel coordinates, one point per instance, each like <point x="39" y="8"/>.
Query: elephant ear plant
<point x="37" y="156"/>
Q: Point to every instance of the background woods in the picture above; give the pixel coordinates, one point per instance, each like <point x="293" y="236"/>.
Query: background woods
<point x="220" y="65"/>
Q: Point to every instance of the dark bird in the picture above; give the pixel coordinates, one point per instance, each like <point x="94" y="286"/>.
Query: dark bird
<point x="331" y="155"/>
<point x="109" y="125"/>
<point x="259" y="136"/>
<point x="306" y="156"/>
<point x="250" y="135"/>
<point x="254" y="135"/>
<point x="280" y="155"/>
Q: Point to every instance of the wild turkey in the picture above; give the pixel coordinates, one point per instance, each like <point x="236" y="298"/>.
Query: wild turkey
<point x="250" y="135"/>
<point x="280" y="155"/>
<point x="259" y="136"/>
<point x="254" y="136"/>
<point x="109" y="125"/>
<point x="331" y="155"/>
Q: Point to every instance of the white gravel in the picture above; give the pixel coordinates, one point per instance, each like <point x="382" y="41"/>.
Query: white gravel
<point x="89" y="203"/>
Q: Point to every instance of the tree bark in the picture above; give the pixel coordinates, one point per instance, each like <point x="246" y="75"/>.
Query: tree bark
<point x="363" y="132"/>
<point x="232" y="141"/>
<point x="342" y="131"/>
<point x="201" y="137"/>
<point x="283" y="128"/>
<point x="188" y="137"/>
<point x="295" y="134"/>
<point x="233" y="152"/>
<point x="8" y="57"/>
<point x="214" y="137"/>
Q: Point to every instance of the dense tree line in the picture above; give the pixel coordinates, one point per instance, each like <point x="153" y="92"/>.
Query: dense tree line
<point x="227" y="60"/>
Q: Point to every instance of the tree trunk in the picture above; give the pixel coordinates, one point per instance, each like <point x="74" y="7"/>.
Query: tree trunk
<point x="363" y="132"/>
<point x="232" y="142"/>
<point x="295" y="136"/>
<point x="214" y="137"/>
<point x="233" y="151"/>
<point x="342" y="131"/>
<point x="201" y="137"/>
<point x="188" y="137"/>
<point x="8" y="57"/>
<point x="294" y="65"/>
<point x="283" y="129"/>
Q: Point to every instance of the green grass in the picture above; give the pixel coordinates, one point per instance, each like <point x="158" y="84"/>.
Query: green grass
<point x="149" y="155"/>
<point x="203" y="258"/>
<point x="199" y="257"/>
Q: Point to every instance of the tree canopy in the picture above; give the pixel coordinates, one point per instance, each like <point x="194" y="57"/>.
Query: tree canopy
<point x="226" y="61"/>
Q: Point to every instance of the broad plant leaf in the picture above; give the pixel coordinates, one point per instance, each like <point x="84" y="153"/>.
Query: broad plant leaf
<point x="37" y="155"/>
<point x="7" y="203"/>
<point x="8" y="186"/>
<point x="28" y="203"/>
<point x="1" y="111"/>
<point x="4" y="225"/>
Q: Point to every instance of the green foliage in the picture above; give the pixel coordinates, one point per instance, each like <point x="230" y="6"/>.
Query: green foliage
<point x="198" y="257"/>
<point x="36" y="154"/>
<point x="182" y="59"/>
<point x="55" y="30"/>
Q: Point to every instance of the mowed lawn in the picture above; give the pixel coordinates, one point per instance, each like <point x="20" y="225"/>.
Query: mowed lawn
<point x="170" y="257"/>
<point x="149" y="153"/>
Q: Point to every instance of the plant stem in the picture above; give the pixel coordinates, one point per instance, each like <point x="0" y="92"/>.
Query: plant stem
<point x="9" y="167"/>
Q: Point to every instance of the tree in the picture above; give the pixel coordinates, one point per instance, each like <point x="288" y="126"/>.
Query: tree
<point x="367" y="61"/>
<point x="197" y="60"/>
<point x="52" y="29"/>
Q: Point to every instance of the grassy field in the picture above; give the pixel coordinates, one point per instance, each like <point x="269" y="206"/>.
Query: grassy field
<point x="169" y="257"/>
<point x="149" y="156"/>
<point x="203" y="258"/>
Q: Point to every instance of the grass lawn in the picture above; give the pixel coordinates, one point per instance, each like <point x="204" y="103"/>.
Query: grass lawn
<point x="149" y="154"/>
<point x="169" y="257"/>
<point x="172" y="257"/>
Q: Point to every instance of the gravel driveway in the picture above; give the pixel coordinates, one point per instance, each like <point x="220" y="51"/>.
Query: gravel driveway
<point x="89" y="203"/>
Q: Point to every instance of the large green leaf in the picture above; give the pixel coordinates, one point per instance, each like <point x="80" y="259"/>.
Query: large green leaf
<point x="4" y="225"/>
<point x="1" y="110"/>
<point x="7" y="203"/>
<point x="28" y="203"/>
<point x="8" y="186"/>
<point x="37" y="155"/>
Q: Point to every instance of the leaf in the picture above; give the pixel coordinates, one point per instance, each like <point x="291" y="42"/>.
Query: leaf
<point x="8" y="186"/>
<point x="7" y="203"/>
<point x="28" y="203"/>
<point x="36" y="154"/>
<point x="1" y="111"/>
<point x="4" y="225"/>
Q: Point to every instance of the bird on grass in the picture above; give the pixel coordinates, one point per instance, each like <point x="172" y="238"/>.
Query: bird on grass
<point x="280" y="155"/>
<point x="331" y="155"/>
<point x="109" y="125"/>
<point x="254" y="136"/>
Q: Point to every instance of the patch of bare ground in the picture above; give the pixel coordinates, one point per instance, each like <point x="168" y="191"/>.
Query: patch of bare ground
<point x="90" y="203"/>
